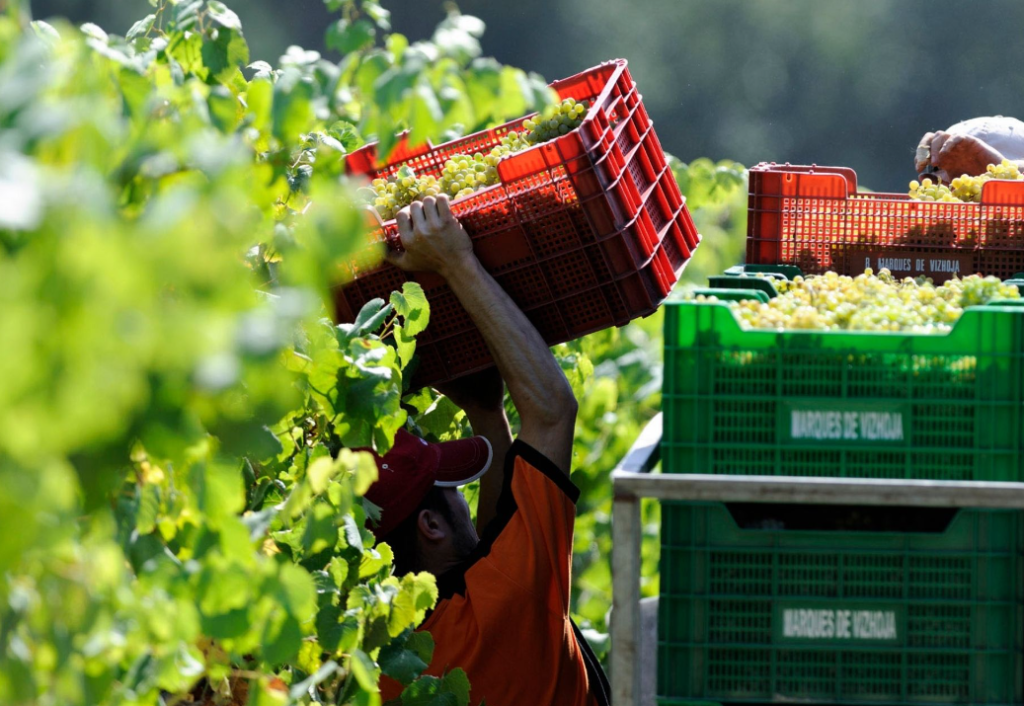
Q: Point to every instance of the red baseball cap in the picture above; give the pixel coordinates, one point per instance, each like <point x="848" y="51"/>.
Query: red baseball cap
<point x="406" y="473"/>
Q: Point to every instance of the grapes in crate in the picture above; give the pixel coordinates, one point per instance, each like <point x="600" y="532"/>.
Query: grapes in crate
<point x="963" y="188"/>
<point x="567" y="116"/>
<point x="463" y="174"/>
<point x="869" y="302"/>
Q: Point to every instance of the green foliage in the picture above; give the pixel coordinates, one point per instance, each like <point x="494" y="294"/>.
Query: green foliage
<point x="182" y="507"/>
<point x="182" y="510"/>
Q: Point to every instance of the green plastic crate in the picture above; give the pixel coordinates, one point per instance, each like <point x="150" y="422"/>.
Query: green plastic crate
<point x="846" y="617"/>
<point x="845" y="404"/>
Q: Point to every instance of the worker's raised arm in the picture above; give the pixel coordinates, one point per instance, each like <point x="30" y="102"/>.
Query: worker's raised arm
<point x="434" y="241"/>
<point x="482" y="397"/>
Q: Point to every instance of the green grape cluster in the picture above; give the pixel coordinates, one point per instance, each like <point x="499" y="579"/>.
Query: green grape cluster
<point x="927" y="190"/>
<point x="869" y="302"/>
<point x="567" y="116"/>
<point x="463" y="174"/>
<point x="511" y="142"/>
<point x="968" y="188"/>
<point x="392" y="195"/>
<point x="964" y="188"/>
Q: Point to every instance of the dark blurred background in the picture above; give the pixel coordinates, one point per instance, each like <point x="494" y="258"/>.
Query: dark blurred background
<point x="806" y="81"/>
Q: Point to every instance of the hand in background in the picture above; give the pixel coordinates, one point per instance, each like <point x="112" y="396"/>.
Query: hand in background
<point x="954" y="155"/>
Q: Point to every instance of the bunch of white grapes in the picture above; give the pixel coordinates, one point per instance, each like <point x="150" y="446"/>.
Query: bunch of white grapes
<point x="464" y="174"/>
<point x="567" y="116"/>
<point x="392" y="195"/>
<point x="869" y="302"/>
<point x="964" y="188"/>
<point x="927" y="190"/>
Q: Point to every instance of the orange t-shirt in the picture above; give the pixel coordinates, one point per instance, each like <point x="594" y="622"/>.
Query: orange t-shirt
<point x="503" y="615"/>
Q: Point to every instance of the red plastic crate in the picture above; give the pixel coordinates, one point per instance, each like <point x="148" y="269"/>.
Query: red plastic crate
<point x="584" y="232"/>
<point x="814" y="218"/>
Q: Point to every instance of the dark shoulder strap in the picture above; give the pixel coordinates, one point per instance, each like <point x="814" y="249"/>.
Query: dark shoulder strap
<point x="599" y="685"/>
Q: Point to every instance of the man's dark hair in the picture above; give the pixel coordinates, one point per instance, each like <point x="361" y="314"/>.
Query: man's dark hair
<point x="404" y="538"/>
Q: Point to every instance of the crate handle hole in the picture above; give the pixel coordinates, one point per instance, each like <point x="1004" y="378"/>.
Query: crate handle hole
<point x="841" y="518"/>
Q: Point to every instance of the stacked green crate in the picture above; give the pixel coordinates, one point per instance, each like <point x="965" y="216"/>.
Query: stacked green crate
<point x="769" y="613"/>
<point x="847" y="404"/>
<point x="848" y="617"/>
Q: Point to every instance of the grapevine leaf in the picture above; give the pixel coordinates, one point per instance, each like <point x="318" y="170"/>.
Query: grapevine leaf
<point x="456" y="43"/>
<point x="426" y="114"/>
<point x="297" y="591"/>
<point x="223" y="590"/>
<point x="457" y="683"/>
<point x="293" y="106"/>
<point x="401" y="664"/>
<point x="361" y="466"/>
<point x="187" y="50"/>
<point x="483" y="82"/>
<point x="396" y="44"/>
<point x="328" y="626"/>
<point x="418" y="595"/>
<point x="223" y="16"/>
<point x="321" y="530"/>
<point x="260" y="100"/>
<point x="225" y="56"/>
<point x="469" y="24"/>
<point x="347" y="134"/>
<point x="438" y="418"/>
<point x="411" y="304"/>
<point x="372" y="511"/>
<point x="374" y="560"/>
<point x="513" y="98"/>
<point x="450" y="690"/>
<point x="219" y="490"/>
<point x="405" y="345"/>
<point x="224" y="626"/>
<point x="364" y="670"/>
<point x="281" y="639"/>
<point x="223" y="109"/>
<point x="370" y="318"/>
<point x="338" y="570"/>
<point x="185" y="13"/>
<point x="46" y="32"/>
<point x="352" y="534"/>
<point x="378" y="14"/>
<point x="94" y="32"/>
<point x="422" y="643"/>
<point x="347" y="37"/>
<point x="320" y="472"/>
<point x="149" y="507"/>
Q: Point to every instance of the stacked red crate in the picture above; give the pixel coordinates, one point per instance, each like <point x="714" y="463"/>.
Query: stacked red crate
<point x="813" y="217"/>
<point x="584" y="232"/>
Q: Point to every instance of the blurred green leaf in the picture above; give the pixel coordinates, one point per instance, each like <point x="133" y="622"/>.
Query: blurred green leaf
<point x="223" y="16"/>
<point x="347" y="37"/>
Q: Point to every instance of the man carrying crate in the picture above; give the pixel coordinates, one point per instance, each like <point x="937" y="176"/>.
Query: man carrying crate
<point x="503" y="609"/>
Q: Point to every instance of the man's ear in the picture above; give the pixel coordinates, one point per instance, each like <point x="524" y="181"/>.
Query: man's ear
<point x="431" y="526"/>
